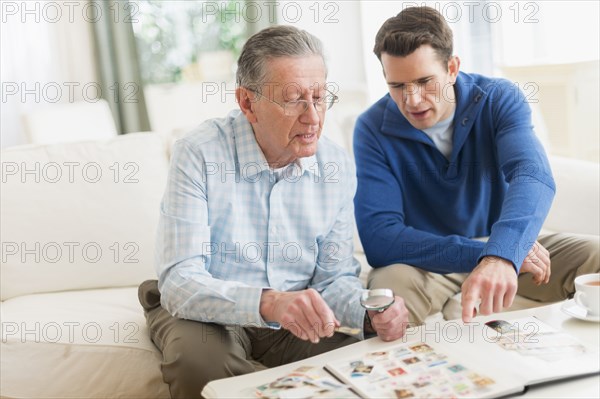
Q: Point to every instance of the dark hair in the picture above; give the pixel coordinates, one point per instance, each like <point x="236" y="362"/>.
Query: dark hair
<point x="410" y="29"/>
<point x="273" y="42"/>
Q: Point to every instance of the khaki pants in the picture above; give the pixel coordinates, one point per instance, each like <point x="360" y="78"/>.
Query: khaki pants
<point x="196" y="353"/>
<point x="426" y="293"/>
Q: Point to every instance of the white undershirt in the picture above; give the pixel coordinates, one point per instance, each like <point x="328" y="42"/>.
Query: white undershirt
<point x="281" y="173"/>
<point x="278" y="173"/>
<point x="441" y="133"/>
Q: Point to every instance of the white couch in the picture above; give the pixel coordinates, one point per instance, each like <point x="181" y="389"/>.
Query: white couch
<point x="78" y="224"/>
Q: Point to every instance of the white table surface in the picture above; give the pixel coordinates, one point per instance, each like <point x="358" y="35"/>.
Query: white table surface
<point x="588" y="332"/>
<point x="584" y="387"/>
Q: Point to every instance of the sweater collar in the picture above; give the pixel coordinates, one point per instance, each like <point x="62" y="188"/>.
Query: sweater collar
<point x="469" y="98"/>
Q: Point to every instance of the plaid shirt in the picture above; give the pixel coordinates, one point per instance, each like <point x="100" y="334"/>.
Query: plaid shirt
<point x="231" y="227"/>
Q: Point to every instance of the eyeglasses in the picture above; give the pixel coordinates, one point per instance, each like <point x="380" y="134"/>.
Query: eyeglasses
<point x="298" y="107"/>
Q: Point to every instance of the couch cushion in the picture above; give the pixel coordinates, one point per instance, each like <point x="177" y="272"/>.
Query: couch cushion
<point x="79" y="344"/>
<point x="80" y="215"/>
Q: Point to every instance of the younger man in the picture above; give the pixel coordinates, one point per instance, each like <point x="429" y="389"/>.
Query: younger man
<point x="444" y="159"/>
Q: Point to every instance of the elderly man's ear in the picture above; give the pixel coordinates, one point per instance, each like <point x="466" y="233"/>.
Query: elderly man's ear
<point x="245" y="99"/>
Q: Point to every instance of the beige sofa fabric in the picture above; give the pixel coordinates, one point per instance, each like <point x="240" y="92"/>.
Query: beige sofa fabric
<point x="78" y="344"/>
<point x="80" y="215"/>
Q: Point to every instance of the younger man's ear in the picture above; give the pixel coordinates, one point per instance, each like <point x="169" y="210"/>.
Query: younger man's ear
<point x="453" y="67"/>
<point x="245" y="99"/>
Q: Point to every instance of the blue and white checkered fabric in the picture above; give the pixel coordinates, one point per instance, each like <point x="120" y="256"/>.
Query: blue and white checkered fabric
<point x="230" y="227"/>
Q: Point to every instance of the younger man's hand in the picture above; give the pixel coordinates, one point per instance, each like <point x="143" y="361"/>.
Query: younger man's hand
<point x="537" y="262"/>
<point x="494" y="282"/>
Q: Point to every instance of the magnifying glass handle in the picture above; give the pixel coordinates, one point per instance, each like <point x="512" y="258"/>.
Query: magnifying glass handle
<point x="348" y="330"/>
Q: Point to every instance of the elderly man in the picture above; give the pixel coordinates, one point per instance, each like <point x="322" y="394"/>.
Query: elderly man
<point x="254" y="250"/>
<point x="453" y="185"/>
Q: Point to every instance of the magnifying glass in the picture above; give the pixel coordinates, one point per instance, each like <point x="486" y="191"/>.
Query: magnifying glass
<point x="377" y="299"/>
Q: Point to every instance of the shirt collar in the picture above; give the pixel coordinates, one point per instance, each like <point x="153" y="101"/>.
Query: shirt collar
<point x="310" y="164"/>
<point x="251" y="159"/>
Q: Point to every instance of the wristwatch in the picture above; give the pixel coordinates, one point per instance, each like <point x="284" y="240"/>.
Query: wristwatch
<point x="367" y="323"/>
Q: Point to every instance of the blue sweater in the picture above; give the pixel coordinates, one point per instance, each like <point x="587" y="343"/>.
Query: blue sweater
<point x="413" y="206"/>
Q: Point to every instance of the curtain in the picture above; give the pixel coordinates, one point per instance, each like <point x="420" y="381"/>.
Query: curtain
<point x="118" y="66"/>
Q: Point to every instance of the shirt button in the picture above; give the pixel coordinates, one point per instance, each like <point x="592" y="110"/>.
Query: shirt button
<point x="464" y="121"/>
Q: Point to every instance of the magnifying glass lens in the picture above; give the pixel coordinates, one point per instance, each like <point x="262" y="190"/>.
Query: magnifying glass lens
<point x="376" y="302"/>
<point x="377" y="299"/>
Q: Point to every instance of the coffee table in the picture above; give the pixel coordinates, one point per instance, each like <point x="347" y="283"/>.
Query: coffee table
<point x="553" y="315"/>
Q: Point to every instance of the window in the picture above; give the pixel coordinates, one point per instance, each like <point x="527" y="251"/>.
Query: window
<point x="188" y="40"/>
<point x="546" y="32"/>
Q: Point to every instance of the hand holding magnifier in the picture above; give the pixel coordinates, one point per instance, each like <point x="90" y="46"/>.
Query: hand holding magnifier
<point x="376" y="300"/>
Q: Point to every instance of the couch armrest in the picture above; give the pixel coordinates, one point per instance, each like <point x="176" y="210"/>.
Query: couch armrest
<point x="575" y="206"/>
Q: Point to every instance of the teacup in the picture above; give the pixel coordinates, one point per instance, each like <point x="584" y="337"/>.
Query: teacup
<point x="587" y="293"/>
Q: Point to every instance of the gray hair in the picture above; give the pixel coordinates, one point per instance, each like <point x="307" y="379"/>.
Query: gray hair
<point x="273" y="42"/>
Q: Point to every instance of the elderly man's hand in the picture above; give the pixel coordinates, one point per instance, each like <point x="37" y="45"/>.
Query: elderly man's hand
<point x="304" y="313"/>
<point x="390" y="324"/>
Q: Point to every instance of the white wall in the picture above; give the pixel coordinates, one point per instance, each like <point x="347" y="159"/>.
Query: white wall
<point x="567" y="96"/>
<point x="548" y="32"/>
<point x="338" y="25"/>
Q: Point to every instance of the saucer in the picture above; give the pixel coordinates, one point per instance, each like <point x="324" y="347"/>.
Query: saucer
<point x="573" y="309"/>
